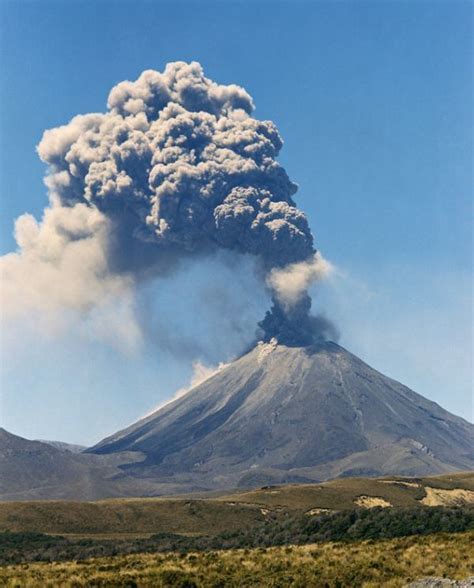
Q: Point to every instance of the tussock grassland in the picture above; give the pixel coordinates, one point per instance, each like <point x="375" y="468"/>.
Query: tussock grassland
<point x="370" y="564"/>
<point x="343" y="493"/>
<point x="208" y="514"/>
<point x="131" y="516"/>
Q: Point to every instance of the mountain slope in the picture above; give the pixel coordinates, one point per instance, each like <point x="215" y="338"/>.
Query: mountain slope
<point x="293" y="414"/>
<point x="32" y="470"/>
<point x="69" y="447"/>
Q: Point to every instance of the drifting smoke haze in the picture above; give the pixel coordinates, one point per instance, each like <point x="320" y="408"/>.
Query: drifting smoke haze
<point x="201" y="373"/>
<point x="176" y="170"/>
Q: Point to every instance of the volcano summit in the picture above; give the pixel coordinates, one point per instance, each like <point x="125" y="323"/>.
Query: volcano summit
<point x="277" y="414"/>
<point x="293" y="414"/>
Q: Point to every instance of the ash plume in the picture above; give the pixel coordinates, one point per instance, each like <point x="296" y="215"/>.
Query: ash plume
<point x="176" y="168"/>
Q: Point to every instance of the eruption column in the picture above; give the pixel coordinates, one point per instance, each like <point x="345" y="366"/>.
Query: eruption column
<point x="176" y="168"/>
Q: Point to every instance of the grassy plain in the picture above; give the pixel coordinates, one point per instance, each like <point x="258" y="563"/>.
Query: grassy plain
<point x="264" y="537"/>
<point x="370" y="564"/>
<point x="141" y="516"/>
<point x="210" y="514"/>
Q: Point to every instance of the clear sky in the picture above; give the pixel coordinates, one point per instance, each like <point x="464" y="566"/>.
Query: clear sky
<point x="374" y="103"/>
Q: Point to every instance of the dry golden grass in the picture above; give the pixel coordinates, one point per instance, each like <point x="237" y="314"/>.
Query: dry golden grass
<point x="209" y="514"/>
<point x="141" y="516"/>
<point x="389" y="563"/>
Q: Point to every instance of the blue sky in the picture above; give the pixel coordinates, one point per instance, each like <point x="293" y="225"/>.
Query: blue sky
<point x="374" y="103"/>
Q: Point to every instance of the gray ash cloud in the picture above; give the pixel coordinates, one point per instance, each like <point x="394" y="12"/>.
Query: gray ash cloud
<point x="177" y="167"/>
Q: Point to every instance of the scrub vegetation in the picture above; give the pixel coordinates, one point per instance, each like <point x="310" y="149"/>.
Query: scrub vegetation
<point x="346" y="526"/>
<point x="391" y="563"/>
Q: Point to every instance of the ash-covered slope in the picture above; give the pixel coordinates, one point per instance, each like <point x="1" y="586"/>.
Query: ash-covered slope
<point x="281" y="414"/>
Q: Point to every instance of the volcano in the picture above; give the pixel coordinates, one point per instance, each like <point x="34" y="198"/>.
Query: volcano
<point x="283" y="414"/>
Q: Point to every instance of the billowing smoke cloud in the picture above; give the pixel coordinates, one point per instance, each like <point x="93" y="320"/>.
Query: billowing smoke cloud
<point x="176" y="168"/>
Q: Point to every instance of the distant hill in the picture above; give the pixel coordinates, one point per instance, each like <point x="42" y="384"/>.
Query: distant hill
<point x="70" y="447"/>
<point x="37" y="470"/>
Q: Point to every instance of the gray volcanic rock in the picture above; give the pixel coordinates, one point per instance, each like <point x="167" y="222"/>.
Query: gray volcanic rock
<point x="290" y="414"/>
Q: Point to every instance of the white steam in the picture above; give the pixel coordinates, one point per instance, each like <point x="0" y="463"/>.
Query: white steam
<point x="61" y="262"/>
<point x="201" y="373"/>
<point x="60" y="273"/>
<point x="292" y="281"/>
